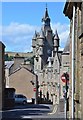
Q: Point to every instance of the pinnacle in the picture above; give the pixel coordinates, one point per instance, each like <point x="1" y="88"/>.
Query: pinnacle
<point x="56" y="36"/>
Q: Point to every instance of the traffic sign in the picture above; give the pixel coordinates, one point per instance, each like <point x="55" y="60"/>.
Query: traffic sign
<point x="65" y="77"/>
<point x="34" y="89"/>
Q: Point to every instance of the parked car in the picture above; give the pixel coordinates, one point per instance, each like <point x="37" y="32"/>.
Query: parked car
<point x="20" y="99"/>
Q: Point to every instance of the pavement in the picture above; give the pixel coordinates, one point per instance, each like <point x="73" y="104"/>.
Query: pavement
<point x="57" y="113"/>
<point x="58" y="110"/>
<point x="0" y="115"/>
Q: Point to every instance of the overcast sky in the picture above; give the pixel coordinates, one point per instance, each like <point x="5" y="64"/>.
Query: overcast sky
<point x="21" y="19"/>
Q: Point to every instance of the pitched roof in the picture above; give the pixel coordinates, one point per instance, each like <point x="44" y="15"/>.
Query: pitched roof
<point x="19" y="68"/>
<point x="8" y="64"/>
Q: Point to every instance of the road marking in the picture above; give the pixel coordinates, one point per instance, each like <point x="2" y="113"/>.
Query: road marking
<point x="54" y="110"/>
<point x="26" y="117"/>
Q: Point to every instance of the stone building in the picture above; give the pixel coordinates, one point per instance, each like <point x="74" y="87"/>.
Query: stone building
<point x="19" y="75"/>
<point x="47" y="61"/>
<point x="11" y="66"/>
<point x="8" y="70"/>
<point x="2" y="76"/>
<point x="74" y="11"/>
<point x="22" y="54"/>
<point x="21" y="79"/>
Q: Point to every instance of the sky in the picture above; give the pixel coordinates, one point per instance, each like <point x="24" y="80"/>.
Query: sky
<point x="21" y="19"/>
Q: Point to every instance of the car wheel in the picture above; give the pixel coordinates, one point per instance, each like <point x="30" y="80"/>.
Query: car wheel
<point x="24" y="102"/>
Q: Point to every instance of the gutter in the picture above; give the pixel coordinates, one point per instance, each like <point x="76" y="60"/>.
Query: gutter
<point x="73" y="60"/>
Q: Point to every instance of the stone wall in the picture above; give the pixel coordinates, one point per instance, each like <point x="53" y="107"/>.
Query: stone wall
<point x="21" y="81"/>
<point x="2" y="79"/>
<point x="78" y="60"/>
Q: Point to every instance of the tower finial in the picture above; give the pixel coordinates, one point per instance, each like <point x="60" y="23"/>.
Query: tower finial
<point x="46" y="13"/>
<point x="46" y="5"/>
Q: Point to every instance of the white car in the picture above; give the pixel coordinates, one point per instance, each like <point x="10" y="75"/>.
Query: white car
<point x="21" y="99"/>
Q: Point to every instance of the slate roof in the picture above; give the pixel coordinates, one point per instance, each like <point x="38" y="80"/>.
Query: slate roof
<point x="8" y="64"/>
<point x="19" y="68"/>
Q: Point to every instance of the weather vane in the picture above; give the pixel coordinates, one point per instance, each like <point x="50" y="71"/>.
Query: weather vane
<point x="46" y="5"/>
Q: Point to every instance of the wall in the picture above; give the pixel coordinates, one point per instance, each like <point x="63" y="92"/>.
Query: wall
<point x="20" y="80"/>
<point x="2" y="74"/>
<point x="78" y="61"/>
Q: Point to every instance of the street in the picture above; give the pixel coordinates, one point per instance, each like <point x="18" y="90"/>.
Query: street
<point x="32" y="112"/>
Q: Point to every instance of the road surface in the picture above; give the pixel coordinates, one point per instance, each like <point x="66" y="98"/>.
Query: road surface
<point x="32" y="112"/>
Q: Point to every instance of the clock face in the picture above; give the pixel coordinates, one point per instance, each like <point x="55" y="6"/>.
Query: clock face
<point x="49" y="52"/>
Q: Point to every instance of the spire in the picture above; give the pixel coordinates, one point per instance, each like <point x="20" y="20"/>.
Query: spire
<point x="34" y="40"/>
<point x="46" y="13"/>
<point x="35" y="35"/>
<point x="46" y="18"/>
<point x="56" y="41"/>
<point x="41" y="34"/>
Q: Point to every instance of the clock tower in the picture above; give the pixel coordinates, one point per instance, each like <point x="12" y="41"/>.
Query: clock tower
<point x="45" y="48"/>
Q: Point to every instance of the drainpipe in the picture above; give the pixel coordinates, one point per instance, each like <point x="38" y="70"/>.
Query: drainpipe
<point x="73" y="60"/>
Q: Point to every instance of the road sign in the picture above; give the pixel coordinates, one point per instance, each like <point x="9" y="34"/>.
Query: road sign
<point x="65" y="77"/>
<point x="34" y="89"/>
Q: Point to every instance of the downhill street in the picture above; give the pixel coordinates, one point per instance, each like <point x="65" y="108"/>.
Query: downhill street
<point x="32" y="112"/>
